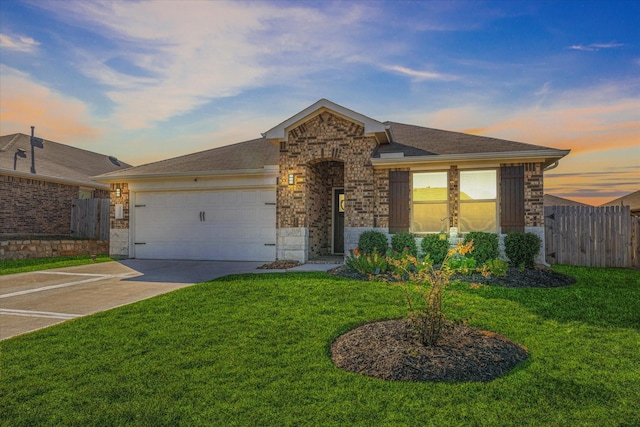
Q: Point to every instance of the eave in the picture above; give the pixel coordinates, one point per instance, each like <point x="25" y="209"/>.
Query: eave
<point x="546" y="156"/>
<point x="89" y="183"/>
<point x="160" y="176"/>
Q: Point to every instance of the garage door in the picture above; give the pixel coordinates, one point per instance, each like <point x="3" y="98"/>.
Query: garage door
<point x="238" y="225"/>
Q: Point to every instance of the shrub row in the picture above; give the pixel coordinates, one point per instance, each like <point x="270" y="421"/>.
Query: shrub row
<point x="521" y="248"/>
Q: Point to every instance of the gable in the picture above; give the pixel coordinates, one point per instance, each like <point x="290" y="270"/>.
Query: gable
<point x="371" y="127"/>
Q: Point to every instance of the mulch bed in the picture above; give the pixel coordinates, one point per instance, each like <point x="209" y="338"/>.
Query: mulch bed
<point x="280" y="265"/>
<point x="539" y="277"/>
<point x="388" y="350"/>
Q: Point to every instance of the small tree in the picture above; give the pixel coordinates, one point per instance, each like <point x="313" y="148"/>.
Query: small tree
<point x="429" y="283"/>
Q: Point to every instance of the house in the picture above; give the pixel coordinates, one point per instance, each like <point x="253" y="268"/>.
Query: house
<point x="632" y="200"/>
<point x="312" y="184"/>
<point x="39" y="180"/>
<point x="551" y="200"/>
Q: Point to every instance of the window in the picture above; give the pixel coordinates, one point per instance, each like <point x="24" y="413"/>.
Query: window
<point x="85" y="193"/>
<point x="478" y="205"/>
<point x="430" y="202"/>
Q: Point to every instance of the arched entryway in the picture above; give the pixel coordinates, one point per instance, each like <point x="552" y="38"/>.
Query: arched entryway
<point x="325" y="208"/>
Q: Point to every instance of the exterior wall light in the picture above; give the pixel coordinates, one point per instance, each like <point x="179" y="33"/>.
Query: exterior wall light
<point x="118" y="192"/>
<point x="291" y="179"/>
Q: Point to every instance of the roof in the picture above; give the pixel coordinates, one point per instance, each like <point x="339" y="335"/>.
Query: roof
<point x="398" y="143"/>
<point x="551" y="200"/>
<point x="427" y="144"/>
<point x="631" y="199"/>
<point x="243" y="156"/>
<point x="54" y="161"/>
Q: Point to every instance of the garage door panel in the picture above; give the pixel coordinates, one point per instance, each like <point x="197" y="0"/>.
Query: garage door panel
<point x="238" y="225"/>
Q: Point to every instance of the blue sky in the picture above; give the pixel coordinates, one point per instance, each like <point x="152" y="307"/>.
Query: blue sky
<point x="145" y="81"/>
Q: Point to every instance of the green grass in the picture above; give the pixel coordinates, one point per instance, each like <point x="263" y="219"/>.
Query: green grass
<point x="36" y="264"/>
<point x="253" y="350"/>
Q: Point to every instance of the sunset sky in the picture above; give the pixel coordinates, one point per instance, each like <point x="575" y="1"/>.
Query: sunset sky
<point x="150" y="80"/>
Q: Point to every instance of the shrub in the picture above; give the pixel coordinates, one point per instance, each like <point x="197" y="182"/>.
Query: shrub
<point x="373" y="263"/>
<point x="373" y="241"/>
<point x="428" y="318"/>
<point x="522" y="248"/>
<point x="497" y="267"/>
<point x="485" y="246"/>
<point x="436" y="248"/>
<point x="463" y="265"/>
<point x="403" y="240"/>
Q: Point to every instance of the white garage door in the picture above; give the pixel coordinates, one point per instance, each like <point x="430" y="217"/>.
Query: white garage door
<point x="233" y="225"/>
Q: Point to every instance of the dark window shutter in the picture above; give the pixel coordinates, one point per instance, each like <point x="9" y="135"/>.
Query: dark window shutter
<point x="512" y="198"/>
<point x="398" y="201"/>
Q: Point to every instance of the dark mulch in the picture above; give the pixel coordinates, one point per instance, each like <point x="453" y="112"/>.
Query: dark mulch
<point x="280" y="265"/>
<point x="539" y="277"/>
<point x="388" y="350"/>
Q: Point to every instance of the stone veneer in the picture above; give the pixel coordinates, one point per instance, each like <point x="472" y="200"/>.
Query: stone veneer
<point x="41" y="248"/>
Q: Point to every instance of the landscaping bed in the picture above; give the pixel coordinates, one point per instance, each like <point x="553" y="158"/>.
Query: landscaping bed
<point x="539" y="277"/>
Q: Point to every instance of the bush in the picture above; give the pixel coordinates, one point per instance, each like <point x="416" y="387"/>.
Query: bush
<point x="485" y="246"/>
<point x="522" y="248"/>
<point x="497" y="267"/>
<point x="462" y="264"/>
<point x="373" y="263"/>
<point x="373" y="241"/>
<point x="436" y="248"/>
<point x="403" y="240"/>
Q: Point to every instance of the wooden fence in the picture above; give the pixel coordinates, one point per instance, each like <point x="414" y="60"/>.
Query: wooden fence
<point x="592" y="236"/>
<point x="90" y="219"/>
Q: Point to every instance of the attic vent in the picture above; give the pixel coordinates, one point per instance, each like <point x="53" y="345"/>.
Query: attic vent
<point x="114" y="161"/>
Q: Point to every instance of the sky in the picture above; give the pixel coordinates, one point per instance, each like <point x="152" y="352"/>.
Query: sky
<point x="150" y="80"/>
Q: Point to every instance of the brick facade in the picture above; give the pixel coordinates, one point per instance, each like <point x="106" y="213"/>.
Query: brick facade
<point x="533" y="195"/>
<point x="122" y="200"/>
<point x="324" y="153"/>
<point x="36" y="207"/>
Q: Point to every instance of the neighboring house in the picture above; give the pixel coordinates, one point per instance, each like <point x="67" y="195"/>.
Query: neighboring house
<point x="39" y="182"/>
<point x="550" y="200"/>
<point x="632" y="200"/>
<point x="311" y="185"/>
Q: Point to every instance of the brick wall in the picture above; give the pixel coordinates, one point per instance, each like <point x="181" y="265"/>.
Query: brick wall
<point x="330" y="138"/>
<point x="31" y="206"/>
<point x="533" y="195"/>
<point x="122" y="200"/>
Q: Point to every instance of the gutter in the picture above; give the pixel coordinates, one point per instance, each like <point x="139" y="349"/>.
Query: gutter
<point x="440" y="158"/>
<point x="267" y="170"/>
<point x="87" y="184"/>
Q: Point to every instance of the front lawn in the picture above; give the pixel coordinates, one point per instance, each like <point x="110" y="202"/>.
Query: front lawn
<point x="252" y="350"/>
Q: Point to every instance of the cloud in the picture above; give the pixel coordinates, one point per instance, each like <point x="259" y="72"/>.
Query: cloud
<point x="23" y="105"/>
<point x="18" y="43"/>
<point x="595" y="46"/>
<point x="188" y="55"/>
<point x="418" y="75"/>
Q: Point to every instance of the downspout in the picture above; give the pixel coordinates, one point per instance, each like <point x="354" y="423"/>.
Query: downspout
<point x="552" y="166"/>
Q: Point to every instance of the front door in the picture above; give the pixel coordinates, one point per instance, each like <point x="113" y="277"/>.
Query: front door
<point x="338" y="221"/>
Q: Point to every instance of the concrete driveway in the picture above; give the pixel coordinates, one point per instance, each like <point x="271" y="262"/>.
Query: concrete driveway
<point x="31" y="301"/>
